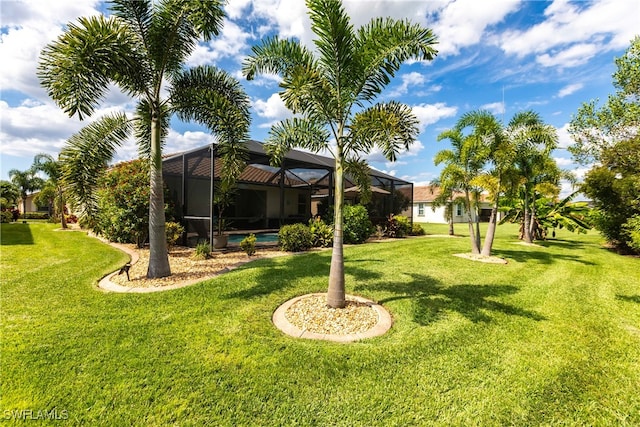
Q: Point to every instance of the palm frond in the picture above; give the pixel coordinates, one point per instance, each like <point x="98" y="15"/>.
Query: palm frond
<point x="85" y="156"/>
<point x="77" y="68"/>
<point x="358" y="171"/>
<point x="295" y="133"/>
<point x="276" y="56"/>
<point x="381" y="48"/>
<point x="390" y="126"/>
<point x="142" y="127"/>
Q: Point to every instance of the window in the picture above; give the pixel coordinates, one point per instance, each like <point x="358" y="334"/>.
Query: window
<point x="459" y="210"/>
<point x="302" y="204"/>
<point x="420" y="209"/>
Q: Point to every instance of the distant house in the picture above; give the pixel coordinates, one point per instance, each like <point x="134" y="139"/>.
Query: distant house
<point x="31" y="204"/>
<point x="423" y="211"/>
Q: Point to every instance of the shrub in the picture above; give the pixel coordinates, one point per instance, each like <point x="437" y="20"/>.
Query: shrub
<point x="357" y="227"/>
<point x="397" y="226"/>
<point x="123" y="204"/>
<point x="173" y="231"/>
<point x="417" y="230"/>
<point x="202" y="251"/>
<point x="321" y="232"/>
<point x="248" y="244"/>
<point x="71" y="219"/>
<point x="295" y="238"/>
<point x="35" y="215"/>
<point x="6" y="216"/>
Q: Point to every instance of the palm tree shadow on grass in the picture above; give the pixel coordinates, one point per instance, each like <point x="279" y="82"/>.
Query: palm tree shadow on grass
<point x="432" y="300"/>
<point x="16" y="234"/>
<point x="629" y="298"/>
<point x="542" y="257"/>
<point x="276" y="274"/>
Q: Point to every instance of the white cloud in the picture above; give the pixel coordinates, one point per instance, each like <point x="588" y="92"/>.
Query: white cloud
<point x="494" y="107"/>
<point x="575" y="55"/>
<point x="569" y="89"/>
<point x="26" y="28"/>
<point x="272" y="108"/>
<point x="410" y="80"/>
<point x="563" y="161"/>
<point x="464" y="22"/>
<point x="230" y="44"/>
<point x="571" y="30"/>
<point x="429" y="114"/>
<point x="564" y="138"/>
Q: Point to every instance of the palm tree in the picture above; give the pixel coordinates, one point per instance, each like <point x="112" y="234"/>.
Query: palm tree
<point x="533" y="142"/>
<point x="141" y="48"/>
<point x="331" y="90"/>
<point x="51" y="167"/>
<point x="488" y="131"/>
<point x="27" y="182"/>
<point x="463" y="164"/>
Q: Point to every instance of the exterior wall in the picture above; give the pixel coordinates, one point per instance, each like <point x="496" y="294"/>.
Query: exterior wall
<point x="31" y="206"/>
<point x="437" y="216"/>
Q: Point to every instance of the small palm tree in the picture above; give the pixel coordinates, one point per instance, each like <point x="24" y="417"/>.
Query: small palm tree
<point x="141" y="48"/>
<point x="51" y="167"/>
<point x="27" y="182"/>
<point x="331" y="89"/>
<point x="463" y="164"/>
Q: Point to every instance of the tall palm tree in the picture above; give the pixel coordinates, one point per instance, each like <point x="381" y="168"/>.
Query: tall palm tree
<point x="51" y="167"/>
<point x="142" y="48"/>
<point x="488" y="133"/>
<point x="27" y="182"/>
<point x="331" y="89"/>
<point x="533" y="141"/>
<point x="463" y="164"/>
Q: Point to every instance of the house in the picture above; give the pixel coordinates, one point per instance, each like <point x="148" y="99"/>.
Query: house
<point x="423" y="210"/>
<point x="267" y="196"/>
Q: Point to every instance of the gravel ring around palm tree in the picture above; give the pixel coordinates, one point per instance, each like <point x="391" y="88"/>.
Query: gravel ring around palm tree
<point x="308" y="316"/>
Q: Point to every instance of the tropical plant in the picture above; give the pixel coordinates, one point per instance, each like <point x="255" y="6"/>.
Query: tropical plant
<point x="325" y="87"/>
<point x="27" y="182"/>
<point x="202" y="251"/>
<point x="322" y="233"/>
<point x="533" y="141"/>
<point x="9" y="194"/>
<point x="53" y="187"/>
<point x="463" y="164"/>
<point x="174" y="231"/>
<point x="141" y="48"/>
<point x="295" y="238"/>
<point x="248" y="244"/>
<point x="357" y="224"/>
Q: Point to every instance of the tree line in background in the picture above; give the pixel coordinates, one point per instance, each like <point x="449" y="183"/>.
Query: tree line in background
<point x="608" y="137"/>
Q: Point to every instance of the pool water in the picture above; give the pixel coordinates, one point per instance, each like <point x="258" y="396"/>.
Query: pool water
<point x="260" y="238"/>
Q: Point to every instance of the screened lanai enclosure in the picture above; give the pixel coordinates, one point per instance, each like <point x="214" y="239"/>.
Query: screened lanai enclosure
<point x="268" y="197"/>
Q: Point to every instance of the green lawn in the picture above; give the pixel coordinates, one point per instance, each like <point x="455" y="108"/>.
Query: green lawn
<point x="551" y="338"/>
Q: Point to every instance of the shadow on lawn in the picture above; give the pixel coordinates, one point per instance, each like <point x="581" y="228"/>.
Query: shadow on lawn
<point x="276" y="275"/>
<point x="16" y="234"/>
<point x="432" y="299"/>
<point x="629" y="298"/>
<point x="542" y="257"/>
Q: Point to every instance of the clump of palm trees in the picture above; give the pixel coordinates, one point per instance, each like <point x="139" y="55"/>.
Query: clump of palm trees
<point x="508" y="164"/>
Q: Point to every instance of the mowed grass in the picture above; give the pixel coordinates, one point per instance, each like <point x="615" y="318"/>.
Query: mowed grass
<point x="551" y="338"/>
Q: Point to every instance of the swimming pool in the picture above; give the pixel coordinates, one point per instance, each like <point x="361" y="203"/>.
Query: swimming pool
<point x="260" y="238"/>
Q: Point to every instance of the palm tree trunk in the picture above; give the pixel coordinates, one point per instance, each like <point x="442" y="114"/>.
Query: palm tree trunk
<point x="527" y="220"/>
<point x="336" y="292"/>
<point x="532" y="217"/>
<point x="158" y="254"/>
<point x="475" y="248"/>
<point x="491" y="230"/>
<point x="60" y="208"/>
<point x="450" y="219"/>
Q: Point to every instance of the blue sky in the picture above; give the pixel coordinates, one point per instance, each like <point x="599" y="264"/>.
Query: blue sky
<point x="549" y="56"/>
